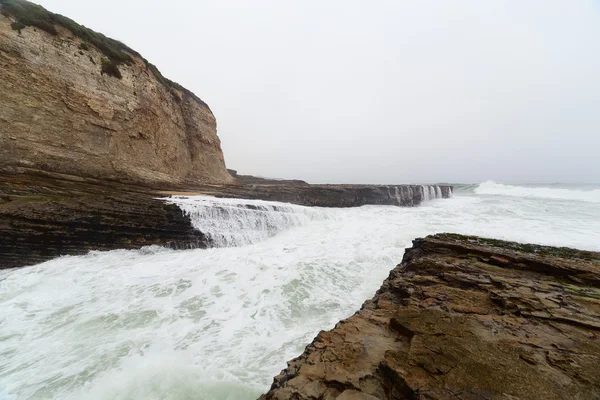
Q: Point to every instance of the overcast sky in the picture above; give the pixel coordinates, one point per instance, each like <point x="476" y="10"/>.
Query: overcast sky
<point x="381" y="91"/>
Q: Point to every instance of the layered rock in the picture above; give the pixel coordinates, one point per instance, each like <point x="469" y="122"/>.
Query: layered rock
<point x="46" y="216"/>
<point x="60" y="112"/>
<point x="331" y="195"/>
<point x="44" y="219"/>
<point x="89" y="130"/>
<point x="257" y="180"/>
<point x="464" y="318"/>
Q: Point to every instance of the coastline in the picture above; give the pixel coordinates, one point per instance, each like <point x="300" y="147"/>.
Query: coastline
<point x="463" y="317"/>
<point x="44" y="216"/>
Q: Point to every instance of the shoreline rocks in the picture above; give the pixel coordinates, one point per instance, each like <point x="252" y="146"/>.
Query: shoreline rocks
<point x="330" y="195"/>
<point x="91" y="132"/>
<point x="46" y="215"/>
<point x="463" y="317"/>
<point x="44" y="219"/>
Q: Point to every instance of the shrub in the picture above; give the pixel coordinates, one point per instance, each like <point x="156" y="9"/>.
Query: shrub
<point x="84" y="46"/>
<point x="45" y="26"/>
<point x="111" y="68"/>
<point x="29" y="14"/>
<point x="17" y="26"/>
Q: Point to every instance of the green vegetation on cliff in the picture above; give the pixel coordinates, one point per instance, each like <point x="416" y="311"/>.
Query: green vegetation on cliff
<point x="28" y="14"/>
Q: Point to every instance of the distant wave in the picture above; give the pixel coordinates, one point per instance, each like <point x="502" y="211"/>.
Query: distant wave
<point x="494" y="188"/>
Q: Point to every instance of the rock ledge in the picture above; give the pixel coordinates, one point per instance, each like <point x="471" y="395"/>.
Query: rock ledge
<point x="464" y="318"/>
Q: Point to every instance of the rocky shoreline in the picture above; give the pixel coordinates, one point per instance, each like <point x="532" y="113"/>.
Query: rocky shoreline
<point x="463" y="318"/>
<point x="43" y="216"/>
<point x="41" y="219"/>
<point x="91" y="134"/>
<point x="327" y="195"/>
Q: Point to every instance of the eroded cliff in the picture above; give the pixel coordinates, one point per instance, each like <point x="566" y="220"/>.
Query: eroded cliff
<point x="63" y="111"/>
<point x="463" y="318"/>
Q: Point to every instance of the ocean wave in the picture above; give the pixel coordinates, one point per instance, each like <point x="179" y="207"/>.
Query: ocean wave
<point x="559" y="193"/>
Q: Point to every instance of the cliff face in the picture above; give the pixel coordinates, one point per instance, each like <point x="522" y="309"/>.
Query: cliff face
<point x="463" y="318"/>
<point x="59" y="113"/>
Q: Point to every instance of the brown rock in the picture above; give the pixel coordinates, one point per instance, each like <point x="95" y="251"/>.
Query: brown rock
<point x="41" y="220"/>
<point x="468" y="318"/>
<point x="60" y="114"/>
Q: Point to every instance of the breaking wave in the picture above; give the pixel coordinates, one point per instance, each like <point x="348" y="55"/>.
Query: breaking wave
<point x="558" y="193"/>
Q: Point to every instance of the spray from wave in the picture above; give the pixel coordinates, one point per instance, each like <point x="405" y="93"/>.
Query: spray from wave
<point x="240" y="222"/>
<point x="235" y="222"/>
<point x="218" y="324"/>
<point x="556" y="193"/>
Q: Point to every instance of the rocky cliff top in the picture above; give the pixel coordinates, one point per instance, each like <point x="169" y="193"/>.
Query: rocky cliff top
<point x="26" y="14"/>
<point x="464" y="318"/>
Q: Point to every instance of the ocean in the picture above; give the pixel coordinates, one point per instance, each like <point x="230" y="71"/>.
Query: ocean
<point x="221" y="323"/>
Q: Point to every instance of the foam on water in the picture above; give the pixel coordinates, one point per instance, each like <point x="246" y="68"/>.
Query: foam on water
<point x="239" y="222"/>
<point x="220" y="323"/>
<point x="558" y="193"/>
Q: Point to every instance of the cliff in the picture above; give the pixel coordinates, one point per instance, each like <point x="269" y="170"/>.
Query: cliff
<point x="90" y="131"/>
<point x="463" y="318"/>
<point x="77" y="103"/>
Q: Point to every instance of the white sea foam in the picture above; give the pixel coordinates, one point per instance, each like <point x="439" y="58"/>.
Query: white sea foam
<point x="430" y="192"/>
<point x="239" y="222"/>
<point x="558" y="193"/>
<point x="220" y="323"/>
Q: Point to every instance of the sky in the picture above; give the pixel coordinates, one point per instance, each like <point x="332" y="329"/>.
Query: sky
<point x="387" y="91"/>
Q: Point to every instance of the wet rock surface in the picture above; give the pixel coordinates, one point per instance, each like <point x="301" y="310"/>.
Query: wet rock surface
<point x="44" y="215"/>
<point x="464" y="318"/>
<point x="329" y="195"/>
<point x="41" y="219"/>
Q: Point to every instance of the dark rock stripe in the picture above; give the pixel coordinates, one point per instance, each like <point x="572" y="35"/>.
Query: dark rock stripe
<point x="38" y="223"/>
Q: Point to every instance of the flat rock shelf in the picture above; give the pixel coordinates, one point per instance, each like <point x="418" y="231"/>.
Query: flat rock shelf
<point x="463" y="318"/>
<point x="47" y="215"/>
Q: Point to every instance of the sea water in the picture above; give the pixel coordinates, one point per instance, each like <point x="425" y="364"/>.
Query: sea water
<point x="220" y="323"/>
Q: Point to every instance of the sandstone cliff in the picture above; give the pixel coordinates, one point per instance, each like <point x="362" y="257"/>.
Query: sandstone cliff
<point x="60" y="113"/>
<point x="463" y="318"/>
<point x="91" y="134"/>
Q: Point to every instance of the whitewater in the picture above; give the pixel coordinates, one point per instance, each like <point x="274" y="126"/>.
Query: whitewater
<point x="220" y="323"/>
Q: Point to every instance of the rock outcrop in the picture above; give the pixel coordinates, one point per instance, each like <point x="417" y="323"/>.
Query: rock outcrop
<point x="90" y="131"/>
<point x="464" y="318"/>
<point x="48" y="215"/>
<point x="41" y="219"/>
<point x="64" y="111"/>
<point x="257" y="180"/>
<point x="331" y="195"/>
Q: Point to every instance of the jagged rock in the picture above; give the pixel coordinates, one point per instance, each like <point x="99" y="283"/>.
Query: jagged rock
<point x="464" y="318"/>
